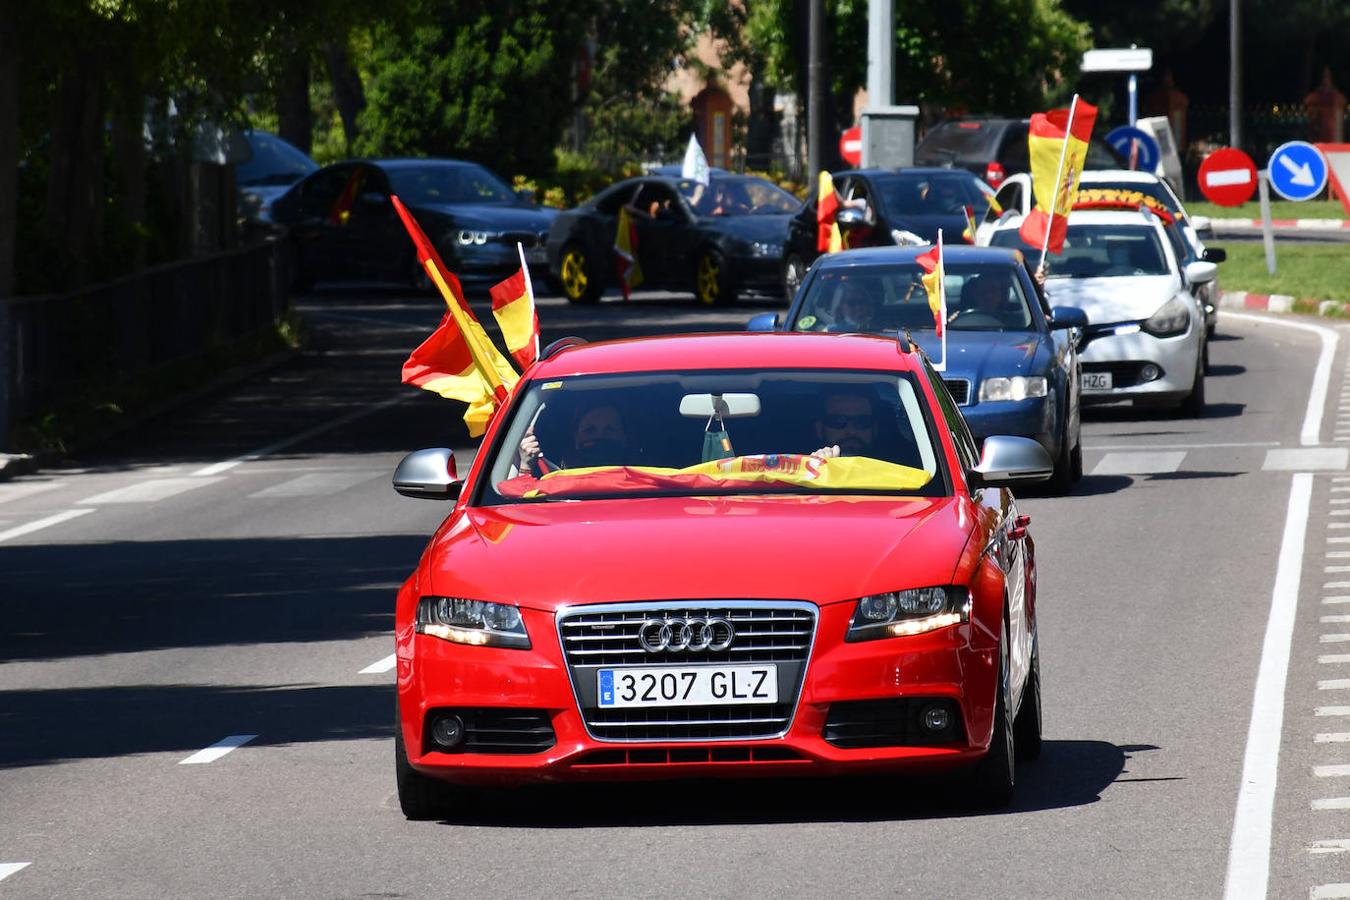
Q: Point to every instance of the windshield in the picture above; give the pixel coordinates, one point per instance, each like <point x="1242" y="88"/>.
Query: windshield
<point x="273" y="161"/>
<point x="884" y="299"/>
<point x="1096" y="251"/>
<point x="709" y="433"/>
<point x="738" y="195"/>
<point x="457" y="183"/>
<point x="946" y="194"/>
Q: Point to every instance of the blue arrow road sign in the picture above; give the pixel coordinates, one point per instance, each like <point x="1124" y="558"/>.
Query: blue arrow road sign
<point x="1298" y="171"/>
<point x="1146" y="147"/>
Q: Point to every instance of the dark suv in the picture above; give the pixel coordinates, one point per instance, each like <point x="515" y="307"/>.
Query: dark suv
<point x="993" y="148"/>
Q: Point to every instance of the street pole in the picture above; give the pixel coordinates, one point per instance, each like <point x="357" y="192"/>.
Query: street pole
<point x="880" y="53"/>
<point x="815" y="91"/>
<point x="1235" y="73"/>
<point x="1267" y="235"/>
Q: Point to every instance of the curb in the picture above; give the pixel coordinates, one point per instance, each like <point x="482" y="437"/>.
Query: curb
<point x="1282" y="303"/>
<point x="1245" y="226"/>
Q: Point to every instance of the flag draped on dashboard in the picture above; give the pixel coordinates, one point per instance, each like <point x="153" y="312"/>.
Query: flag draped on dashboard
<point x="1058" y="143"/>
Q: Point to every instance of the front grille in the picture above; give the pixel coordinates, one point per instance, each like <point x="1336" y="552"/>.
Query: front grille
<point x="528" y="238"/>
<point x="889" y="723"/>
<point x="1123" y="374"/>
<point x="959" y="388"/>
<point x="498" y="730"/>
<point x="606" y="636"/>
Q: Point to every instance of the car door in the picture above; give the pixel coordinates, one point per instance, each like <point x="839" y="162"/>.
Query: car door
<point x="854" y="190"/>
<point x="663" y="230"/>
<point x="318" y="224"/>
<point x="374" y="237"/>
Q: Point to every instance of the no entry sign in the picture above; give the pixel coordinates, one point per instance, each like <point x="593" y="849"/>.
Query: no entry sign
<point x="1227" y="177"/>
<point x="850" y="146"/>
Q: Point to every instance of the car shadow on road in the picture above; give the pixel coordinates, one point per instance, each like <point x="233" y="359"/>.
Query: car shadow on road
<point x="1068" y="773"/>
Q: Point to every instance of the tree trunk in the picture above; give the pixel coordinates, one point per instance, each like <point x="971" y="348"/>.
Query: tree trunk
<point x="74" y="218"/>
<point x="347" y="89"/>
<point x="9" y="158"/>
<point x="128" y="144"/>
<point x="294" y="121"/>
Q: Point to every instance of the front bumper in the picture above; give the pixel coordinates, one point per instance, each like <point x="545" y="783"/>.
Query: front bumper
<point x="480" y="267"/>
<point x="1125" y="355"/>
<point x="758" y="274"/>
<point x="958" y="664"/>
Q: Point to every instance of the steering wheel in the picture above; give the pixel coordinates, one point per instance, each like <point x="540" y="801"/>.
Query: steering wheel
<point x="975" y="318"/>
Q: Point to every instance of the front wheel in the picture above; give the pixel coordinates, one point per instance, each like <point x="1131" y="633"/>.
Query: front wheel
<point x="712" y="284"/>
<point x="1193" y="407"/>
<point x="579" y="283"/>
<point x="995" y="775"/>
<point x="794" y="268"/>
<point x="421" y="798"/>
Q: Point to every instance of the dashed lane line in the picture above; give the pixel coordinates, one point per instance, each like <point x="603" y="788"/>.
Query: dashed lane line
<point x="1334" y="638"/>
<point x="381" y="666"/>
<point x="1334" y="684"/>
<point x="1331" y="803"/>
<point x="217" y="750"/>
<point x="1340" y="845"/>
<point x="17" y="490"/>
<point x="1330" y="892"/>
<point x="8" y="869"/>
<point x="1140" y="463"/>
<point x="151" y="491"/>
<point x="39" y="524"/>
<point x="1332" y="737"/>
<point x="1330" y="658"/>
<point x="1332" y="711"/>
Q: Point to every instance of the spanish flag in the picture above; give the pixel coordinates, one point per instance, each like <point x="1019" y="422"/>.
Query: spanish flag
<point x="1058" y="144"/>
<point x="341" y="212"/>
<point x="625" y="252"/>
<point x="458" y="361"/>
<point x="828" y="237"/>
<point x="934" y="284"/>
<point x="513" y="308"/>
<point x="969" y="233"/>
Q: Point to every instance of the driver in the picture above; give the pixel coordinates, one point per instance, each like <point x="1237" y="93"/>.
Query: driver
<point x="983" y="294"/>
<point x="599" y="438"/>
<point x="857" y="309"/>
<point x="847" y="424"/>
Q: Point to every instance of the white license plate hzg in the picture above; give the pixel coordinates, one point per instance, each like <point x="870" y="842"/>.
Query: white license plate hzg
<point x="656" y="686"/>
<point x="1093" y="382"/>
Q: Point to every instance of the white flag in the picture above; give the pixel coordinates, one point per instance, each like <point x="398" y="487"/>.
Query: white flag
<point x="695" y="163"/>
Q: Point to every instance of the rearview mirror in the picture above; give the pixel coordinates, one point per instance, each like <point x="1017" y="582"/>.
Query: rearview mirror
<point x="1201" y="272"/>
<point x="1068" y="317"/>
<point x="1007" y="460"/>
<point x="428" y="475"/>
<point x="728" y="406"/>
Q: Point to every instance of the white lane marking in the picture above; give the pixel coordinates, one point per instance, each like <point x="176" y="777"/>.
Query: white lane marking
<point x="1336" y="846"/>
<point x="1332" y="658"/>
<point x="1335" y="585"/>
<point x="8" y="869"/>
<point x="1146" y="463"/>
<point x="1338" y="554"/>
<point x="1249" y="850"/>
<point x="1183" y="446"/>
<point x="1328" y="620"/>
<point x="16" y="490"/>
<point x="1329" y="891"/>
<point x="1334" y="684"/>
<point x="1301" y="459"/>
<point x="1340" y="512"/>
<point x="321" y="483"/>
<point x="1341" y="479"/>
<point x="1339" y="501"/>
<point x="217" y="750"/>
<point x="1333" y="711"/>
<point x="1334" y="569"/>
<point x="1338" y="540"/>
<point x="355" y="415"/>
<point x="1332" y="803"/>
<point x="1337" y="737"/>
<point x="39" y="524"/>
<point x="1317" y="397"/>
<point x="151" y="491"/>
<point x="1334" y="600"/>
<point x="383" y="665"/>
<point x="1338" y="525"/>
<point x="1333" y="638"/>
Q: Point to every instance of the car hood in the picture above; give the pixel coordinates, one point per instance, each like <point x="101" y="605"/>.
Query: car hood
<point x="766" y="228"/>
<point x="494" y="217"/>
<point x="1118" y="299"/>
<point x="977" y="355"/>
<point x="822" y="549"/>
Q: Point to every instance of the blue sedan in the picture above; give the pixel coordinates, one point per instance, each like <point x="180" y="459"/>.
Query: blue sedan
<point x="1012" y="363"/>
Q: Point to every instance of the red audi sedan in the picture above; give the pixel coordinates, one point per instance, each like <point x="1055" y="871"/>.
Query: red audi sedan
<point x="720" y="555"/>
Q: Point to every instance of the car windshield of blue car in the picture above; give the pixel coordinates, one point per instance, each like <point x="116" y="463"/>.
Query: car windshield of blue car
<point x="884" y="299"/>
<point x="272" y="161"/>
<point x="458" y="183"/>
<point x="703" y="433"/>
<point x="736" y="195"/>
<point x="944" y="194"/>
<point x="1096" y="251"/>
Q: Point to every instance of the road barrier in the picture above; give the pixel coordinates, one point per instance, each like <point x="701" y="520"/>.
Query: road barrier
<point x="55" y="346"/>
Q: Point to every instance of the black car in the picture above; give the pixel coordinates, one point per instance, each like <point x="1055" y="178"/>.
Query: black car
<point x="993" y="149"/>
<point x="272" y="167"/>
<point x="889" y="207"/>
<point x="343" y="225"/>
<point x="716" y="241"/>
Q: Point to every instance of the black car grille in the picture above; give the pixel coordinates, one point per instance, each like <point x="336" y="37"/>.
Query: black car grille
<point x="500" y="730"/>
<point x="959" y="388"/>
<point x="889" y="723"/>
<point x="1123" y="374"/>
<point x="778" y="632"/>
<point x="528" y="238"/>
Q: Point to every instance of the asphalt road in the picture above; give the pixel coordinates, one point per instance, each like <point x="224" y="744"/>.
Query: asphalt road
<point x="227" y="574"/>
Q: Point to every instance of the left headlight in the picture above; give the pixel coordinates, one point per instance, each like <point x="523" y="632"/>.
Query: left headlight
<point x="475" y="622"/>
<point x="1018" y="387"/>
<point x="465" y="237"/>
<point x="1171" y="319"/>
<point x="900" y="613"/>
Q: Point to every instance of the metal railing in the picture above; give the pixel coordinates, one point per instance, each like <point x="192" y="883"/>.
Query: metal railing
<point x="56" y="346"/>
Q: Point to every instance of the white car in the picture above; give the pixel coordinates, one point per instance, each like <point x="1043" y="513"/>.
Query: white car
<point x="1147" y="341"/>
<point x="1014" y="198"/>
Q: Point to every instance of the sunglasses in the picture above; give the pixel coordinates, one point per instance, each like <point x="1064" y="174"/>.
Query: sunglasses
<point x="859" y="423"/>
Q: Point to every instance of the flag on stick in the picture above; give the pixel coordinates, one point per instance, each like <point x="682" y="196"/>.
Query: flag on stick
<point x="934" y="283"/>
<point x="969" y="233"/>
<point x="695" y="166"/>
<point x="513" y="308"/>
<point x="1058" y="145"/>
<point x="828" y="237"/>
<point x="625" y="252"/>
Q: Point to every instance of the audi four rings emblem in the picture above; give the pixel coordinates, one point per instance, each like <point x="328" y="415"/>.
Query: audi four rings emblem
<point x="694" y="634"/>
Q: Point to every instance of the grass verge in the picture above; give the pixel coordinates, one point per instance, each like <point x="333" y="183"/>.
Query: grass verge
<point x="1279" y="209"/>
<point x="1305" y="271"/>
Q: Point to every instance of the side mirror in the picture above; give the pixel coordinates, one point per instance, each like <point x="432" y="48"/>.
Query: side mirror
<point x="428" y="475"/>
<point x="1215" y="254"/>
<point x="1201" y="272"/>
<point x="1009" y="460"/>
<point x="1068" y="317"/>
<point x="763" y="322"/>
<point x="850" y="217"/>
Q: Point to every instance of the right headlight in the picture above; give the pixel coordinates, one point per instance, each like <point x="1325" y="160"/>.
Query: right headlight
<point x="475" y="622"/>
<point x="1171" y="319"/>
<point x="915" y="611"/>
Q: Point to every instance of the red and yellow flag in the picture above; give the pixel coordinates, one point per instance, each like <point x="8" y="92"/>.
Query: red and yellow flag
<point x="625" y="253"/>
<point x="934" y="284"/>
<point x="342" y="206"/>
<point x="1058" y="144"/>
<point x="828" y="237"/>
<point x="969" y="232"/>
<point x="513" y="308"/>
<point x="458" y="361"/>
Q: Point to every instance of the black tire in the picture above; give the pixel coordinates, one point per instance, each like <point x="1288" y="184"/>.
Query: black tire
<point x="995" y="775"/>
<point x="712" y="281"/>
<point x="794" y="267"/>
<point x="1027" y="725"/>
<point x="579" y="281"/>
<point x="421" y="798"/>
<point x="1205" y="366"/>
<point x="1193" y="406"/>
<point x="1068" y="462"/>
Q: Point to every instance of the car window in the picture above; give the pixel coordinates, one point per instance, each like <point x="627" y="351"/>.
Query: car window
<point x="453" y="183"/>
<point x="940" y="194"/>
<point x="952" y="141"/>
<point x="320" y="192"/>
<point x="885" y="299"/>
<point x="703" y="433"/>
<point x="1181" y="248"/>
<point x="654" y="198"/>
<point x="610" y="201"/>
<point x="734" y="195"/>
<point x="1008" y="199"/>
<point x="1014" y="154"/>
<point x="272" y="161"/>
<point x="1097" y="251"/>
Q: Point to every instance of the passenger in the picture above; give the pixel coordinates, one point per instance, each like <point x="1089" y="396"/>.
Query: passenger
<point x="599" y="438"/>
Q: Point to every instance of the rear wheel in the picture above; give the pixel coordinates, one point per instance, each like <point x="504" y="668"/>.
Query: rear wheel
<point x="579" y="283"/>
<point x="794" y="267"/>
<point x="995" y="775"/>
<point x="712" y="284"/>
<point x="421" y="798"/>
<point x="1027" y="725"/>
